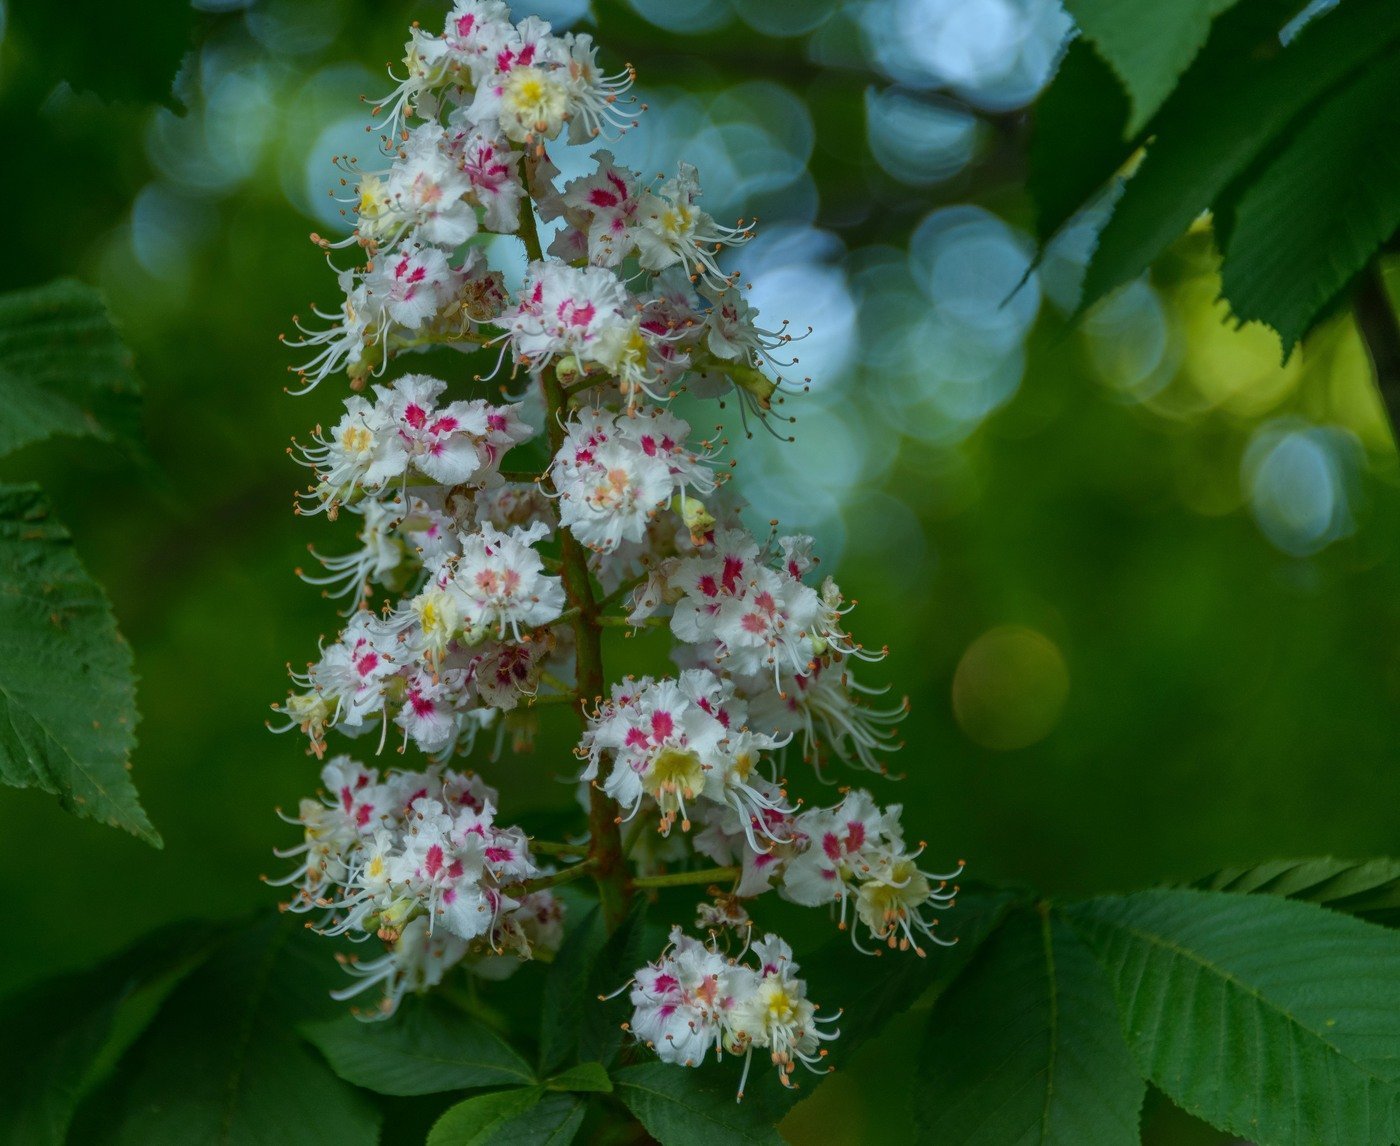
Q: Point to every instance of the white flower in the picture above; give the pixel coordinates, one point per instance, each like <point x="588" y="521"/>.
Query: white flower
<point x="564" y="310"/>
<point x="501" y="585"/>
<point x="693" y="999"/>
<point x="458" y="443"/>
<point x="673" y="231"/>
<point x="417" y="961"/>
<point x="855" y="854"/>
<point x="614" y="473"/>
<point x="681" y="1003"/>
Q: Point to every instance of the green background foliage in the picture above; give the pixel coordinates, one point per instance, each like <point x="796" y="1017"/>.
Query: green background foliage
<point x="1115" y="679"/>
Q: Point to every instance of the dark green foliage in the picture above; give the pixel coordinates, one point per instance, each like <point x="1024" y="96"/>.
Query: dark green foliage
<point x="64" y="369"/>
<point x="1279" y="137"/>
<point x="1270" y="1018"/>
<point x="428" y="1046"/>
<point x="63" y="1026"/>
<point x="525" y="1117"/>
<point x="67" y="692"/>
<point x="222" y="1062"/>
<point x="1025" y="1047"/>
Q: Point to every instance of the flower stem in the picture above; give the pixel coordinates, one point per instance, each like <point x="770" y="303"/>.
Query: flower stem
<point x="554" y="879"/>
<point x="605" y="857"/>
<point x="685" y="878"/>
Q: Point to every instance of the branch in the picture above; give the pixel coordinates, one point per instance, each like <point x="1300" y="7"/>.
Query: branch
<point x="1380" y="332"/>
<point x="685" y="878"/>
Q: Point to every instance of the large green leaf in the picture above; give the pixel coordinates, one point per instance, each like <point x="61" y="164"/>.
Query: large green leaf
<point x="1369" y="889"/>
<point x="1317" y="213"/>
<point x="1148" y="44"/>
<point x="524" y="1117"/>
<point x="1243" y="94"/>
<point x="576" y="1024"/>
<point x="1076" y="142"/>
<point x="691" y="1106"/>
<point x="1025" y="1047"/>
<point x="1271" y="1018"/>
<point x="427" y="1047"/>
<point x="65" y="1024"/>
<point x="67" y="693"/>
<point x="64" y="369"/>
<point x="870" y="990"/>
<point x="223" y="1065"/>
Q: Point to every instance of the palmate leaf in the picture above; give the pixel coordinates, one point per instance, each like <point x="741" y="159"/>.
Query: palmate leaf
<point x="64" y="369"/>
<point x="1241" y="96"/>
<point x="1148" y="44"/>
<point x="1315" y="215"/>
<point x="1369" y="889"/>
<point x="1026" y="1047"/>
<point x="67" y="693"/>
<point x="222" y="1063"/>
<point x="427" y="1047"/>
<point x="1270" y="1018"/>
<point x="523" y="1117"/>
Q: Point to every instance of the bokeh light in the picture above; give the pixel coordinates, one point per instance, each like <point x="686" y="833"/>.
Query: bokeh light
<point x="1010" y="688"/>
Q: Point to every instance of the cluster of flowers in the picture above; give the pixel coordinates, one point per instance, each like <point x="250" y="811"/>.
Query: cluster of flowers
<point x="694" y="999"/>
<point x="490" y="573"/>
<point x="417" y="859"/>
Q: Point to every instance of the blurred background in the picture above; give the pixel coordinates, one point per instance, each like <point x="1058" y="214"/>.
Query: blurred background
<point x="1140" y="580"/>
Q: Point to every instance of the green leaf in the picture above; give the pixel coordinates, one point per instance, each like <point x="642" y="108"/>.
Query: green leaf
<point x="67" y="693"/>
<point x="1148" y="44"/>
<point x="1369" y="889"/>
<point x="527" y="1117"/>
<point x="64" y="369"/>
<point x="1314" y="217"/>
<point x="691" y="1106"/>
<point x="870" y="990"/>
<point x="585" y="1078"/>
<point x="1243" y="94"/>
<point x="1076" y="142"/>
<point x="141" y="71"/>
<point x="1273" y="1019"/>
<point x="223" y="1065"/>
<point x="64" y="1025"/>
<point x="575" y="1023"/>
<point x="1025" y="1046"/>
<point x="427" y="1047"/>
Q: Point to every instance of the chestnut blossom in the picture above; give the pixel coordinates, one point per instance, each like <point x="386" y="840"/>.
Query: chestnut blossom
<point x="499" y="576"/>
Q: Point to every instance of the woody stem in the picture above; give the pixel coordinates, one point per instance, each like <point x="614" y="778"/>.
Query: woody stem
<point x="605" y="859"/>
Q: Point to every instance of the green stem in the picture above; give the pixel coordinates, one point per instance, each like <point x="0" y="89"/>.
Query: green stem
<point x="605" y="857"/>
<point x="551" y="848"/>
<point x="685" y="878"/>
<point x="1380" y="331"/>
<point x="554" y="879"/>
